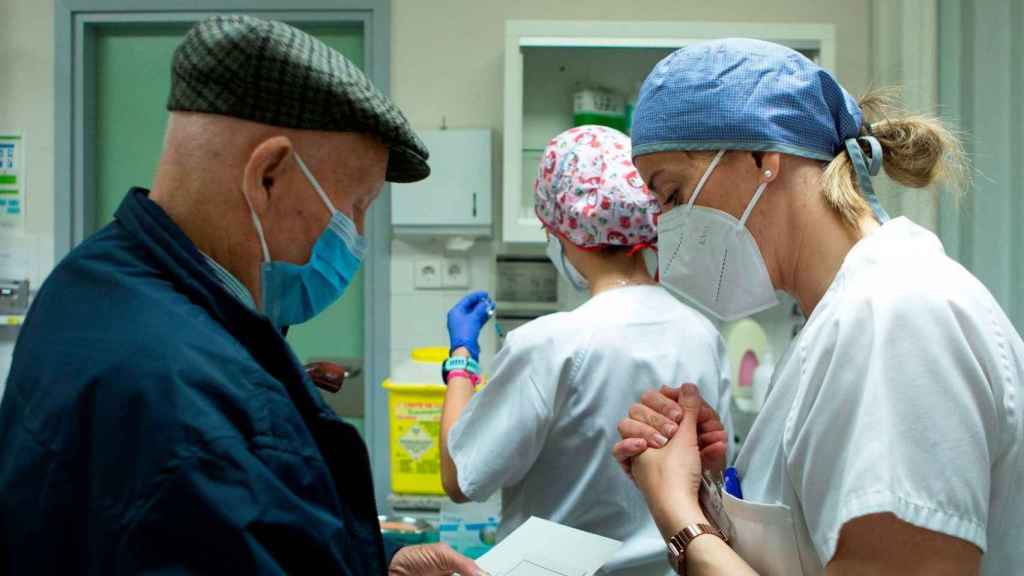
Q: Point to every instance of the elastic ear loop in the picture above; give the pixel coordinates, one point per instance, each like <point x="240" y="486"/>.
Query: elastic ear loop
<point x="344" y="226"/>
<point x="689" y="205"/>
<point x="259" y="228"/>
<point x="703" y="179"/>
<point x="865" y="172"/>
<point x="750" y="207"/>
<point x="561" y="250"/>
<point x="315" y="184"/>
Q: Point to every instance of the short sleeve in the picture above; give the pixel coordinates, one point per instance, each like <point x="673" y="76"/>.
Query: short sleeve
<point x="895" y="414"/>
<point x="502" y="431"/>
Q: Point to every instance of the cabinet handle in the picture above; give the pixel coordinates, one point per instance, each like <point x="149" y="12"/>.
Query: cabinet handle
<point x="474" y="204"/>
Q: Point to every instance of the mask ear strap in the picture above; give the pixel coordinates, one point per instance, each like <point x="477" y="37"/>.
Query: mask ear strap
<point x="259" y="228"/>
<point x="753" y="201"/>
<point x="316" y="185"/>
<point x="703" y="179"/>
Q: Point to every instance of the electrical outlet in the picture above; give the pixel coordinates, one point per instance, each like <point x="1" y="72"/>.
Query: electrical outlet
<point x="455" y="273"/>
<point x="428" y="273"/>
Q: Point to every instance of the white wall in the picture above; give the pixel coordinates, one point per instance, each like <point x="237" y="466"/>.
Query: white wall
<point x="26" y="105"/>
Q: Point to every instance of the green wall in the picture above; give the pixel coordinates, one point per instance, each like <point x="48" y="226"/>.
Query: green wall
<point x="132" y="81"/>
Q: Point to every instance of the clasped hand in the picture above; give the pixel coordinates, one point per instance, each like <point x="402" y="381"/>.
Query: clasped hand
<point x="668" y="439"/>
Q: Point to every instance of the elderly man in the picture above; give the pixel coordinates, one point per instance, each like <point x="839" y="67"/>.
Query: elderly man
<point x="155" y="418"/>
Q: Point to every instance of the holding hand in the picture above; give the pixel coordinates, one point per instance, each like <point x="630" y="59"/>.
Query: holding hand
<point x="466" y="319"/>
<point x="432" y="560"/>
<point x="654" y="420"/>
<point x="670" y="477"/>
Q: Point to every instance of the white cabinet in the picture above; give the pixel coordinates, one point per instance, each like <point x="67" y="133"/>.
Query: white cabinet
<point x="456" y="197"/>
<point x="547" y="61"/>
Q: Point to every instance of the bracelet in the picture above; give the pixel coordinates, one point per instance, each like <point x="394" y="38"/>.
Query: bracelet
<point x="473" y="378"/>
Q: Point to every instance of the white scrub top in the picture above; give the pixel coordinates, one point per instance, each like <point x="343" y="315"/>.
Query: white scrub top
<point x="902" y="394"/>
<point x="543" y="428"/>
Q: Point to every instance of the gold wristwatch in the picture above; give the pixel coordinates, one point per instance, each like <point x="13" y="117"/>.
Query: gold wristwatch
<point x="677" y="544"/>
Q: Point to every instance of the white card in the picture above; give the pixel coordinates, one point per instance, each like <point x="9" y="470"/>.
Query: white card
<point x="543" y="548"/>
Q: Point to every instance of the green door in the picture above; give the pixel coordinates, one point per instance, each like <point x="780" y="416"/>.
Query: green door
<point x="131" y="82"/>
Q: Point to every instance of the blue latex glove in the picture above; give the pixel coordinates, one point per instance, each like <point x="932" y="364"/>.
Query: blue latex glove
<point x="466" y="319"/>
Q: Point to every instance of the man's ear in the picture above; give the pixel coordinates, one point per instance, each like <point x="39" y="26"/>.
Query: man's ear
<point x="265" y="165"/>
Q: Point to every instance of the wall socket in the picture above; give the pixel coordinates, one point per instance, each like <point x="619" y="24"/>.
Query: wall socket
<point x="455" y="273"/>
<point x="428" y="273"/>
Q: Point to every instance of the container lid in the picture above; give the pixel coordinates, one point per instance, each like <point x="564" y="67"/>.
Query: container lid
<point x="430" y="354"/>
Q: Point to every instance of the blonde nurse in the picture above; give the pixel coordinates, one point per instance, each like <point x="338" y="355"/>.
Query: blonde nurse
<point x="891" y="439"/>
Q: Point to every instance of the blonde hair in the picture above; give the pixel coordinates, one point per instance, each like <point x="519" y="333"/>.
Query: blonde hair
<point x="918" y="151"/>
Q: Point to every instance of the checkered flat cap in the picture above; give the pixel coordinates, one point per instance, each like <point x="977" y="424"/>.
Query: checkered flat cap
<point x="272" y="73"/>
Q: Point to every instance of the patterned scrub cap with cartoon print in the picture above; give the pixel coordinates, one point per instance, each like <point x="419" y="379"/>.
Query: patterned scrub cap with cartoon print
<point x="588" y="191"/>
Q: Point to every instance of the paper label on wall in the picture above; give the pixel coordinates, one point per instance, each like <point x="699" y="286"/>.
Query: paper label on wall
<point x="12" y="180"/>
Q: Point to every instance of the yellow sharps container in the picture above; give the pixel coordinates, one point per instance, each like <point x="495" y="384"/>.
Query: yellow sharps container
<point x="415" y="400"/>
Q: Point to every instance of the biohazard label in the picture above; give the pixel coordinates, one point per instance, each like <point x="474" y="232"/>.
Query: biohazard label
<point x="416" y="441"/>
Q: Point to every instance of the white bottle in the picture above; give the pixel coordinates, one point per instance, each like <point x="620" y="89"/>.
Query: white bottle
<point x="763" y="379"/>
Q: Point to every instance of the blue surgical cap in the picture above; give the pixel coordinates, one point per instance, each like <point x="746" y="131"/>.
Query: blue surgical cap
<point x="742" y="94"/>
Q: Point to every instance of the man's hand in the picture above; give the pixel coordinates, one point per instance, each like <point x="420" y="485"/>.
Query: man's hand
<point x="653" y="422"/>
<point x="432" y="560"/>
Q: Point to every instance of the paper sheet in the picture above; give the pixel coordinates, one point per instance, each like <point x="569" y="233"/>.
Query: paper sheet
<point x="543" y="548"/>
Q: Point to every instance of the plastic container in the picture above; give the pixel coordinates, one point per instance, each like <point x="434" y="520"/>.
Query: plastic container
<point x="471" y="529"/>
<point x="406" y="531"/>
<point x="414" y="415"/>
<point x="415" y="401"/>
<point x="598" y="106"/>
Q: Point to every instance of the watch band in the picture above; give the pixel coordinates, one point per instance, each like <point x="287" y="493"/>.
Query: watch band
<point x="677" y="544"/>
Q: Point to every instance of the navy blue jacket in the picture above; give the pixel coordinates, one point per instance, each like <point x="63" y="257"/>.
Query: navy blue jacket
<point x="153" y="423"/>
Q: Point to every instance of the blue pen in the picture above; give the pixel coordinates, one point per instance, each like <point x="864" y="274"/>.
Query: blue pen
<point x="731" y="479"/>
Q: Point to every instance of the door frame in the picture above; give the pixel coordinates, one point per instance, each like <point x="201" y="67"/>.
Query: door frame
<point x="76" y="22"/>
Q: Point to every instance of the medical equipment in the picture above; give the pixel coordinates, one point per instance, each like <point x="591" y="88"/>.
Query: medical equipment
<point x="415" y="400"/>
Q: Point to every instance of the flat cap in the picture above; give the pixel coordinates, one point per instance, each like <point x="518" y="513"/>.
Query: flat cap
<point x="272" y="73"/>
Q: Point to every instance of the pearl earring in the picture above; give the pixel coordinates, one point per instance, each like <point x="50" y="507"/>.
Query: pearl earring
<point x="767" y="173"/>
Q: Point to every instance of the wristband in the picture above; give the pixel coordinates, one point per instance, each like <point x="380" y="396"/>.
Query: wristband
<point x="473" y="378"/>
<point x="459" y="363"/>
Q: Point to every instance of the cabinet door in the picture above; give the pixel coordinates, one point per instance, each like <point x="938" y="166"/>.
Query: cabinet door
<point x="459" y="189"/>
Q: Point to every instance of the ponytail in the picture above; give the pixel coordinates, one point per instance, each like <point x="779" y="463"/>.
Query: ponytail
<point x="918" y="151"/>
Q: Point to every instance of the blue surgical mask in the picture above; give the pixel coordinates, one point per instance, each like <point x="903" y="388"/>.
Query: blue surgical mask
<point x="293" y="293"/>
